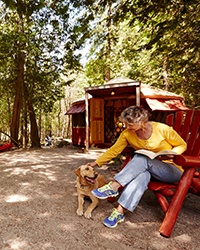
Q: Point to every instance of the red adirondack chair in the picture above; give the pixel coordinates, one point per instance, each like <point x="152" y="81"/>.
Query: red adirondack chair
<point x="187" y="124"/>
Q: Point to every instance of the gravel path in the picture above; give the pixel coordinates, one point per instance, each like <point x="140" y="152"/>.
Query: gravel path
<point x="38" y="203"/>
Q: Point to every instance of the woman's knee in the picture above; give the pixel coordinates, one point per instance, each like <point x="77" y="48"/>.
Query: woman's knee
<point x="165" y="172"/>
<point x="142" y="179"/>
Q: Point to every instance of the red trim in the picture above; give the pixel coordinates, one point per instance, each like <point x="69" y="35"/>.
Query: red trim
<point x="75" y="109"/>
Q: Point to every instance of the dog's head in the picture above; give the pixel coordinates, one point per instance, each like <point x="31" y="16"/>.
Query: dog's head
<point x="87" y="173"/>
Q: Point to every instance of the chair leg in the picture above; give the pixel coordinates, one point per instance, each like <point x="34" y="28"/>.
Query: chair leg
<point x="176" y="203"/>
<point x="162" y="201"/>
<point x="196" y="183"/>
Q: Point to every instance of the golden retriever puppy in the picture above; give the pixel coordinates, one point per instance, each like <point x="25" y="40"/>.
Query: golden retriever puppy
<point x="87" y="180"/>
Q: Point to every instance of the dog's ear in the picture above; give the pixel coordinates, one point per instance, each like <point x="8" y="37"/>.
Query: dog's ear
<point x="77" y="171"/>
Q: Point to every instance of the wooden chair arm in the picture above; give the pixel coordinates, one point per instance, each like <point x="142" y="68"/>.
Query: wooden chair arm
<point x="187" y="161"/>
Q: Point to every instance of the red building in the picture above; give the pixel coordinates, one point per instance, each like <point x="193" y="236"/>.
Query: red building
<point x="95" y="119"/>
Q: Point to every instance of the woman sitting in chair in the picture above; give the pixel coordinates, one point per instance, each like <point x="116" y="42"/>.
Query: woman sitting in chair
<point x="140" y="133"/>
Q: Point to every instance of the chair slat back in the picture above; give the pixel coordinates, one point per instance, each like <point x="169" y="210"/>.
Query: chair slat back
<point x="194" y="136"/>
<point x="178" y="123"/>
<point x="187" y="124"/>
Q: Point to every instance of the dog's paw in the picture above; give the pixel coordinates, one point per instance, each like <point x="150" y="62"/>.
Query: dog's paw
<point x="88" y="214"/>
<point x="79" y="212"/>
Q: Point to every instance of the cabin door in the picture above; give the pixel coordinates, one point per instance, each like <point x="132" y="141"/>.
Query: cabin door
<point x="96" y="121"/>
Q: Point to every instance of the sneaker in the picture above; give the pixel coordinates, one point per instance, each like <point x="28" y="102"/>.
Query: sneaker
<point x="105" y="192"/>
<point x="113" y="219"/>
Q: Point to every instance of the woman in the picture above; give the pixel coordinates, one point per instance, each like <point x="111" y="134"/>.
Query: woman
<point x="140" y="133"/>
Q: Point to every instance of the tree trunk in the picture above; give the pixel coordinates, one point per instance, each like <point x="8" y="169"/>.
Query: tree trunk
<point x="34" y="135"/>
<point x="25" y="128"/>
<point x="59" y="122"/>
<point x="35" y="140"/>
<point x="165" y="72"/>
<point x="40" y="124"/>
<point x="108" y="47"/>
<point x="15" y="121"/>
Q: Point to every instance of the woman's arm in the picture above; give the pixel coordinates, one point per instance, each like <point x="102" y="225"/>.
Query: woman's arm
<point x="113" y="151"/>
<point x="179" y="145"/>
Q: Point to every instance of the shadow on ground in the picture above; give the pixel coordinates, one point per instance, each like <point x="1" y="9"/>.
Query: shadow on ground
<point x="38" y="203"/>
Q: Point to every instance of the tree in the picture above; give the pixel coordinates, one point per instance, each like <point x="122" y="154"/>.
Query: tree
<point x="172" y="31"/>
<point x="156" y="42"/>
<point x="39" y="31"/>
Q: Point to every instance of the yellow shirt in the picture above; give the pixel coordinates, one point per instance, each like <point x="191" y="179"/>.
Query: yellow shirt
<point x="163" y="137"/>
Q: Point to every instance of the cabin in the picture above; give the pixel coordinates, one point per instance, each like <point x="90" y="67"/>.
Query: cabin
<point x="95" y="118"/>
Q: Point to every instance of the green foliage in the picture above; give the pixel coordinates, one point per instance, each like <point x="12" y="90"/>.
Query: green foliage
<point x="39" y="31"/>
<point x="156" y="42"/>
<point x="95" y="72"/>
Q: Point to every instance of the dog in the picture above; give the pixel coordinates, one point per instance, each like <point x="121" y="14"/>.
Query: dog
<point x="87" y="180"/>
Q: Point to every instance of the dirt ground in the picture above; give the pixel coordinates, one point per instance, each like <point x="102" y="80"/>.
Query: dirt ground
<point x="38" y="203"/>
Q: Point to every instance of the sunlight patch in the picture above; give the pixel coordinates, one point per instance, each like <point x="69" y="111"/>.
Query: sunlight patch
<point x="25" y="184"/>
<point x="160" y="245"/>
<point x="16" y="198"/>
<point x="184" y="238"/>
<point x="49" y="175"/>
<point x="134" y="225"/>
<point x="112" y="236"/>
<point x="17" y="171"/>
<point x="47" y="245"/>
<point x="139" y="225"/>
<point x="67" y="227"/>
<point x="16" y="244"/>
<point x="43" y="215"/>
<point x="83" y="155"/>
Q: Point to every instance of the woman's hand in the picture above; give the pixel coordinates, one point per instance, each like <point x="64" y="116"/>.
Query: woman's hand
<point x="92" y="164"/>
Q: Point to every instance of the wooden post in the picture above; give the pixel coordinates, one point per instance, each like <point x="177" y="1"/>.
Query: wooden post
<point x="138" y="88"/>
<point x="86" y="121"/>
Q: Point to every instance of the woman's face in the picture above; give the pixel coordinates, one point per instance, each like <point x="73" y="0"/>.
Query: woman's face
<point x="133" y="126"/>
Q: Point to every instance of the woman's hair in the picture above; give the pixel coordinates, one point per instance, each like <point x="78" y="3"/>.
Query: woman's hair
<point x="134" y="114"/>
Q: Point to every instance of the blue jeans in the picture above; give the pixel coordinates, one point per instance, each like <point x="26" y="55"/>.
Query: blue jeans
<point x="136" y="175"/>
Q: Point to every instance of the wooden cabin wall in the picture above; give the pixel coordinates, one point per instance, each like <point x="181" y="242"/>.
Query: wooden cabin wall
<point x="110" y="118"/>
<point x="96" y="121"/>
<point x="78" y="129"/>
